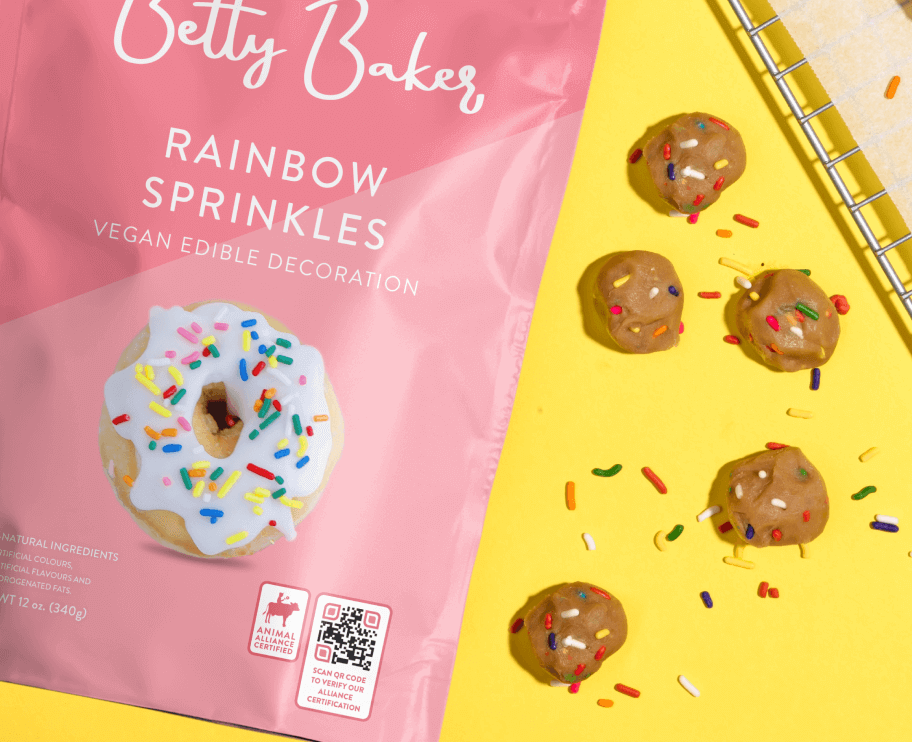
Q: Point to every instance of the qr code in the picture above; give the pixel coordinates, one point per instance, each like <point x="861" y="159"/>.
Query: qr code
<point x="348" y="636"/>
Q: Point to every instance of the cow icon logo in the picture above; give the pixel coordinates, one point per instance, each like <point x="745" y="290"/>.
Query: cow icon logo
<point x="281" y="607"/>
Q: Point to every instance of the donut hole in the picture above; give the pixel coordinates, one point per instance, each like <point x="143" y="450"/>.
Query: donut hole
<point x="215" y="423"/>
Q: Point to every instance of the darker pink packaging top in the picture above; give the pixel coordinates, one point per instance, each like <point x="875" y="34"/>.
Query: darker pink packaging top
<point x="267" y="269"/>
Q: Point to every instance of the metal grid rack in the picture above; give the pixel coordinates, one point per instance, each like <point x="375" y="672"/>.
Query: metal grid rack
<point x="855" y="207"/>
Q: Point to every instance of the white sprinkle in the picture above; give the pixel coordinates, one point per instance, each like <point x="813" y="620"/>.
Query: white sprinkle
<point x="675" y="213"/>
<point x="221" y="315"/>
<point x="744" y="283"/>
<point x="689" y="172"/>
<point x="776" y="502"/>
<point x="688" y="686"/>
<point x="160" y="362"/>
<point x="887" y="519"/>
<point x="569" y="641"/>
<point x="279" y="375"/>
<point x="207" y="497"/>
<point x="287" y="399"/>
<point x="761" y="474"/>
<point x="688" y="143"/>
<point x="559" y="684"/>
<point x="797" y="331"/>
<point x="111" y="468"/>
<point x="653" y="292"/>
<point x="572" y="613"/>
<point x="709" y="513"/>
<point x="590" y="542"/>
<point x="199" y="449"/>
<point x="739" y="493"/>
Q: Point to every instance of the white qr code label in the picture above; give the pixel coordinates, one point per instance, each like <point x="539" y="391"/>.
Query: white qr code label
<point x="343" y="656"/>
<point x="278" y="622"/>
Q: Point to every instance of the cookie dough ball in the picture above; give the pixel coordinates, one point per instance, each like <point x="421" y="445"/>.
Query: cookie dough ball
<point x="640" y="297"/>
<point x="575" y="629"/>
<point x="789" y="320"/>
<point x="777" y="498"/>
<point x="694" y="160"/>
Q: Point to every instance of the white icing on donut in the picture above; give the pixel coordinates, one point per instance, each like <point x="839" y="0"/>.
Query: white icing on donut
<point x="126" y="395"/>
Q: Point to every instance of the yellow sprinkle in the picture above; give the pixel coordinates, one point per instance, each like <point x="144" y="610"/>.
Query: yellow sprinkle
<point x="804" y="551"/>
<point x="178" y="376"/>
<point x="128" y="480"/>
<point x="719" y="164"/>
<point x="239" y="536"/>
<point x="290" y="503"/>
<point x="201" y="465"/>
<point x="253" y="498"/>
<point x="148" y="384"/>
<point x="149" y="372"/>
<point x="754" y="295"/>
<point x="229" y="483"/>
<point x="303" y="447"/>
<point x="139" y="368"/>
<point x="735" y="562"/>
<point x="741" y="268"/>
<point x="209" y="340"/>
<point x="621" y="281"/>
<point x="739" y="551"/>
<point x="257" y="510"/>
<point x="156" y="407"/>
<point x="634" y="329"/>
<point x="602" y="633"/>
<point x="869" y="454"/>
<point x="805" y="414"/>
<point x="822" y="352"/>
<point x="273" y="362"/>
<point x="262" y="492"/>
<point x="246" y="340"/>
<point x="660" y="542"/>
<point x="321" y="418"/>
<point x="282" y="443"/>
<point x="198" y="488"/>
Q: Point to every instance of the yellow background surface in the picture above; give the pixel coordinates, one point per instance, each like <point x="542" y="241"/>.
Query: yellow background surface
<point x="830" y="658"/>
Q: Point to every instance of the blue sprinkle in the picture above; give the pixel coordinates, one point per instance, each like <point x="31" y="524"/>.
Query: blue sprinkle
<point x="300" y="464"/>
<point x="261" y="349"/>
<point x="707" y="601"/>
<point x="671" y="171"/>
<point x="581" y="594"/>
<point x="248" y="323"/>
<point x="888" y="527"/>
<point x="672" y="290"/>
<point x="701" y="124"/>
<point x="212" y="515"/>
<point x="815" y="379"/>
<point x="243" y="364"/>
<point x="283" y="453"/>
<point x="255" y="335"/>
<point x="749" y="533"/>
<point x="552" y="640"/>
<point x="172" y="448"/>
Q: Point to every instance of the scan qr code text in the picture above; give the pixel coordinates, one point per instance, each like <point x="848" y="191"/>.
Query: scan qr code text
<point x="349" y="636"/>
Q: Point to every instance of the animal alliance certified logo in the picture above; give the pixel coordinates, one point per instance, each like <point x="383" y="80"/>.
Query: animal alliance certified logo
<point x="278" y="621"/>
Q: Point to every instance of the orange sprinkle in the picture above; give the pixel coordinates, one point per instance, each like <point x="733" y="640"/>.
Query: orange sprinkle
<point x="775" y="348"/>
<point x="197" y="472"/>
<point x="270" y="393"/>
<point x="723" y="233"/>
<point x="257" y="405"/>
<point x="571" y="495"/>
<point x="213" y="486"/>
<point x="660" y="331"/>
<point x="605" y="703"/>
<point x="128" y="480"/>
<point x="152" y="434"/>
<point x="891" y="88"/>
<point x="321" y="418"/>
<point x="170" y="432"/>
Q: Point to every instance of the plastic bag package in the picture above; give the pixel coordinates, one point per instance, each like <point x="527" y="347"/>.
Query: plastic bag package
<point x="266" y="273"/>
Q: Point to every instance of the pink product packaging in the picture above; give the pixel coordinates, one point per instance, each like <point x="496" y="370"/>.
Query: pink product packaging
<point x="266" y="273"/>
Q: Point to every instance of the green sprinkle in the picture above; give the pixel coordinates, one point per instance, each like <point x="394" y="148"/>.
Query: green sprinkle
<point x="216" y="474"/>
<point x="269" y="420"/>
<point x="254" y="433"/>
<point x="296" y="421"/>
<point x="807" y="311"/>
<point x="602" y="472"/>
<point x="675" y="532"/>
<point x="285" y="359"/>
<point x="283" y="342"/>
<point x="265" y="408"/>
<point x="178" y="397"/>
<point x="151" y="445"/>
<point x="278" y="493"/>
<point x="185" y="475"/>
<point x="864" y="492"/>
<point x="805" y="271"/>
<point x="279" y="479"/>
<point x="270" y="350"/>
<point x="802" y="472"/>
<point x="213" y="350"/>
<point x="196" y="364"/>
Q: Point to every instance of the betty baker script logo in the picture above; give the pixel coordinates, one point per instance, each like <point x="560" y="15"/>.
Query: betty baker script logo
<point x="414" y="77"/>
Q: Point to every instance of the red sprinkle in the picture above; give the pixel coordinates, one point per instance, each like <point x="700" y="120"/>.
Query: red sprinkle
<point x="772" y="322"/>
<point x="692" y="219"/>
<point x="725" y="527"/>
<point x="616" y="309"/>
<point x="746" y="221"/>
<point x="600" y="653"/>
<point x="262" y="472"/>
<point x="777" y="534"/>
<point x="699" y="199"/>
<point x="681" y="329"/>
<point x="799" y="316"/>
<point x="635" y="155"/>
<point x="574" y="688"/>
<point x="263" y="395"/>
<point x="774" y="592"/>
<point x="807" y="516"/>
<point x="207" y="352"/>
<point x="277" y="405"/>
<point x="627" y="690"/>
<point x="547" y="620"/>
<point x="169" y="392"/>
<point x="580" y="668"/>
<point x="517" y="625"/>
<point x="272" y="522"/>
<point x="720" y="123"/>
<point x="309" y="429"/>
<point x="651" y="476"/>
<point x="776" y="446"/>
<point x="717" y="186"/>
<point x="764" y="586"/>
<point x="121" y="419"/>
<point x="231" y="420"/>
<point x="666" y="151"/>
<point x="599" y="591"/>
<point x="841" y="303"/>
<point x="259" y="367"/>
<point x="710" y="294"/>
<point x="732" y="340"/>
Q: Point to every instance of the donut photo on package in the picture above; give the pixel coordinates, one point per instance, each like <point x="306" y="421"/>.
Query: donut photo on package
<point x="219" y="429"/>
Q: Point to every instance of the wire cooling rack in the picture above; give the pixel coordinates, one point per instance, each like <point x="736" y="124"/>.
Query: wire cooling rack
<point x="805" y="119"/>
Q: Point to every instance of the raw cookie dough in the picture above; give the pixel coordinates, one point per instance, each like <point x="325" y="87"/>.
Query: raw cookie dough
<point x="705" y="154"/>
<point x="596" y="612"/>
<point x="765" y="482"/>
<point x="785" y="336"/>
<point x="640" y="298"/>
